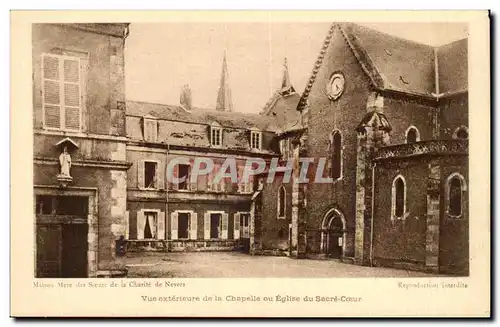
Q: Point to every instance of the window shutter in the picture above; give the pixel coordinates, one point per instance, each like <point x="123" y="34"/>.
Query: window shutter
<point x="71" y="93"/>
<point x="160" y="176"/>
<point x="175" y="173"/>
<point x="141" y="223"/>
<point x="140" y="174"/>
<point x="194" y="226"/>
<point x="236" y="226"/>
<point x="161" y="225"/>
<point x="127" y="227"/>
<point x="225" y="221"/>
<point x="206" y="225"/>
<point x="51" y="92"/>
<point x="174" y="218"/>
<point x="193" y="186"/>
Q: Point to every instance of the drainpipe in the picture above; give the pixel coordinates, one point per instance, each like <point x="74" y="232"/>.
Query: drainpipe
<point x="372" y="213"/>
<point x="167" y="215"/>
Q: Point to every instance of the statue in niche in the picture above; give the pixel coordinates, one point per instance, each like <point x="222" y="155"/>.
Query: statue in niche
<point x="65" y="162"/>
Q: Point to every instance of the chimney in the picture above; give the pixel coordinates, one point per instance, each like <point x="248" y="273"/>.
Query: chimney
<point x="186" y="99"/>
<point x="286" y="85"/>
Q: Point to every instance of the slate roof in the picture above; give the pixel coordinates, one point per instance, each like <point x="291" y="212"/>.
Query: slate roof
<point x="401" y="65"/>
<point x="201" y="116"/>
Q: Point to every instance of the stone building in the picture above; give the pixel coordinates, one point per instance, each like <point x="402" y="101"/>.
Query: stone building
<point x="200" y="213"/>
<point x="80" y="165"/>
<point x="391" y="116"/>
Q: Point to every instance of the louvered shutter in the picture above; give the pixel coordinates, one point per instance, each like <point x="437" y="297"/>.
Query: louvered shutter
<point x="174" y="219"/>
<point x="175" y="174"/>
<point x="127" y="227"/>
<point x="193" y="185"/>
<point x="141" y="224"/>
<point x="140" y="174"/>
<point x="161" y="225"/>
<point x="236" y="226"/>
<point x="71" y="81"/>
<point x="225" y="222"/>
<point x="51" y="92"/>
<point x="194" y="226"/>
<point x="206" y="225"/>
<point x="160" y="175"/>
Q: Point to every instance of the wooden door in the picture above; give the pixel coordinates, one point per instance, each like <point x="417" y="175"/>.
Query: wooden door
<point x="74" y="251"/>
<point x="48" y="250"/>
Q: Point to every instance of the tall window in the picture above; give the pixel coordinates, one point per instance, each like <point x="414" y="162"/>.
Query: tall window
<point x="455" y="188"/>
<point x="216" y="136"/>
<point x="336" y="148"/>
<point x="281" y="202"/>
<point x="244" y="219"/>
<point x="150" y="229"/>
<point x="61" y="96"/>
<point x="184" y="177"/>
<point x="398" y="197"/>
<point x="412" y="135"/>
<point x="286" y="149"/>
<point x="150" y="130"/>
<point x="255" y="140"/>
<point x="150" y="171"/>
<point x="184" y="225"/>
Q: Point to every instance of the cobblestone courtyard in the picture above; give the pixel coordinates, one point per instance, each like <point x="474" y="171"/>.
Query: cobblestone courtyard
<point x="233" y="264"/>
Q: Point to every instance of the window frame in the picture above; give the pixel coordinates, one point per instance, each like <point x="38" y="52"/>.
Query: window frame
<point x="190" y="217"/>
<point x="417" y="134"/>
<point x="215" y="129"/>
<point x="458" y="129"/>
<point x="61" y="82"/>
<point x="150" y="120"/>
<point x="257" y="134"/>
<point x="156" y="177"/>
<point x="156" y="212"/>
<point x="280" y="204"/>
<point x="341" y="155"/>
<point x="463" y="188"/>
<point x="394" y="195"/>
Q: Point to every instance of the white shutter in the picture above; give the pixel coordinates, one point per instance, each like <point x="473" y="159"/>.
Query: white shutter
<point x="140" y="174"/>
<point x="160" y="175"/>
<point x="236" y="226"/>
<point x="127" y="227"/>
<point x="71" y="72"/>
<point x="225" y="221"/>
<point x="174" y="219"/>
<point x="51" y="91"/>
<point x="141" y="223"/>
<point x="206" y="225"/>
<point x="161" y="225"/>
<point x="194" y="226"/>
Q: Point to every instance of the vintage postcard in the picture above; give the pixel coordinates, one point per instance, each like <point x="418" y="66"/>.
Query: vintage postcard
<point x="250" y="164"/>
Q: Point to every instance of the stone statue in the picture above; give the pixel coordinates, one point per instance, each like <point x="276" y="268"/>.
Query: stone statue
<point x="65" y="162"/>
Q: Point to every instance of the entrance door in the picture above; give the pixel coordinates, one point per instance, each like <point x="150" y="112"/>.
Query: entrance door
<point x="48" y="250"/>
<point x="215" y="220"/>
<point x="74" y="250"/>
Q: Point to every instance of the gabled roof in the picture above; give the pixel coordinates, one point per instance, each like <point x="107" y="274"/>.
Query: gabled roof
<point x="201" y="116"/>
<point x="397" y="64"/>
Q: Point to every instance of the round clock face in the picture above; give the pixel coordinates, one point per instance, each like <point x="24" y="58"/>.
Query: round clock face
<point x="336" y="86"/>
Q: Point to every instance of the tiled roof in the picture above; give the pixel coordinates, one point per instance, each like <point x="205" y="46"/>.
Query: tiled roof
<point x="397" y="64"/>
<point x="201" y="116"/>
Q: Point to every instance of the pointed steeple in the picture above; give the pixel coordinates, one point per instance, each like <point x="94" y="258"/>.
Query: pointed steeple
<point x="286" y="85"/>
<point x="224" y="100"/>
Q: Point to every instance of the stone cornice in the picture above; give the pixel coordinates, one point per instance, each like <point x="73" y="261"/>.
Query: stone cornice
<point x="114" y="165"/>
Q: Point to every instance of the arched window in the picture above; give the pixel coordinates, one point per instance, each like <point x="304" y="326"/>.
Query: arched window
<point x="281" y="202"/>
<point x="412" y="135"/>
<point x="336" y="148"/>
<point x="398" y="197"/>
<point x="455" y="188"/>
<point x="461" y="132"/>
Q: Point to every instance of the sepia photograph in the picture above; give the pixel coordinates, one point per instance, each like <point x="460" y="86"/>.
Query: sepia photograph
<point x="363" y="166"/>
<point x="286" y="149"/>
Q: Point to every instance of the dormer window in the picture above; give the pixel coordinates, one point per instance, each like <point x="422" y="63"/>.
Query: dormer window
<point x="216" y="136"/>
<point x="150" y="128"/>
<point x="256" y="140"/>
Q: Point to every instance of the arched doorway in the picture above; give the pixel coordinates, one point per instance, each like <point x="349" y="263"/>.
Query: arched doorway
<point x="333" y="232"/>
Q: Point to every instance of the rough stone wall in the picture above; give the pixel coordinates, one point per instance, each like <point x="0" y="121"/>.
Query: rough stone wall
<point x="454" y="112"/>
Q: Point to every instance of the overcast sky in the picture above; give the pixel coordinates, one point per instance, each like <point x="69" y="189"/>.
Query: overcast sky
<point x="161" y="58"/>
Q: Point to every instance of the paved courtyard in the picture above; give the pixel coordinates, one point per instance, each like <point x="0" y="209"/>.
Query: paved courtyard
<point x="234" y="264"/>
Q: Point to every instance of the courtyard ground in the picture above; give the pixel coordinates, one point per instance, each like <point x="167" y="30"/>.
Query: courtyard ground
<point x="235" y="264"/>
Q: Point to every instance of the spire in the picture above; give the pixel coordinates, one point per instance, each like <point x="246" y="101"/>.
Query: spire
<point x="186" y="98"/>
<point x="286" y="85"/>
<point x="224" y="100"/>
